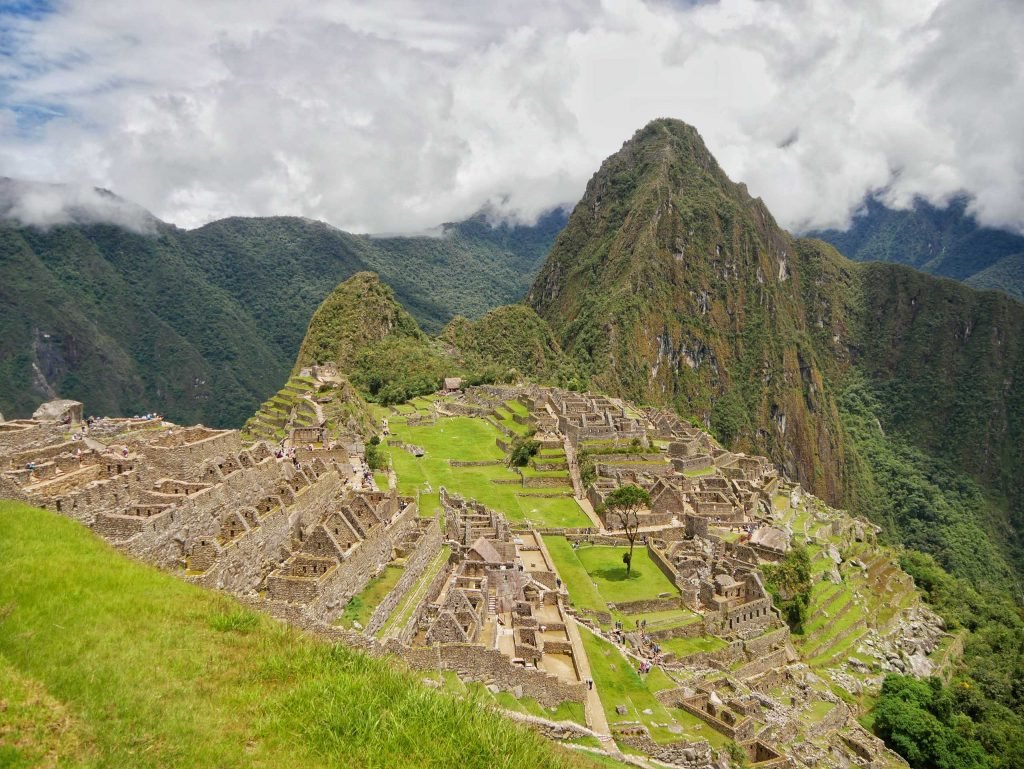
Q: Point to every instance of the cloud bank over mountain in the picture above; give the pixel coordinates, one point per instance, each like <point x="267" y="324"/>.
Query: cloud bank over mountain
<point x="396" y="115"/>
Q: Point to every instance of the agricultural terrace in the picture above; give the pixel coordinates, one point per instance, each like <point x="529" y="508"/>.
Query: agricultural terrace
<point x="468" y="439"/>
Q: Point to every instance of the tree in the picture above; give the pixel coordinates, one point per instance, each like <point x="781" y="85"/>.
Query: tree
<point x="625" y="503"/>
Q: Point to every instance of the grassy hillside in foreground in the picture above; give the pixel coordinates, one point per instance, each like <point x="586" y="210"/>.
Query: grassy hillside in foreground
<point x="138" y="669"/>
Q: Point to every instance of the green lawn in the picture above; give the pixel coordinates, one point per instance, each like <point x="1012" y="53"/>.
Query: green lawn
<point x="683" y="647"/>
<point x="361" y="607"/>
<point x="583" y="592"/>
<point x="468" y="439"/>
<point x="160" y="673"/>
<point x="618" y="683"/>
<point x="604" y="565"/>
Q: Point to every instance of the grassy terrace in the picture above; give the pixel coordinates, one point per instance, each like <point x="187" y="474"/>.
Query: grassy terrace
<point x="407" y="605"/>
<point x="153" y="672"/>
<point x="618" y="683"/>
<point x="605" y="567"/>
<point x="361" y="607"/>
<point x="468" y="439"/>
<point x="567" y="711"/>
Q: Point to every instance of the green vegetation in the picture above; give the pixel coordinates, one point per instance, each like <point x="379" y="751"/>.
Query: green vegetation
<point x="943" y="241"/>
<point x="407" y="605"/>
<point x="594" y="577"/>
<point x="361" y="607"/>
<point x="604" y="565"/>
<point x="923" y="502"/>
<point x="202" y="325"/>
<point x="618" y="683"/>
<point x="511" y="342"/>
<point x="625" y="504"/>
<point x="918" y="720"/>
<point x="473" y="440"/>
<point x="295" y="405"/>
<point x="789" y="582"/>
<point x="523" y="450"/>
<point x="136" y="660"/>
<point x="984" y="700"/>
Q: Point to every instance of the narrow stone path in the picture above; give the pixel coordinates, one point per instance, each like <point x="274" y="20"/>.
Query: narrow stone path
<point x="577" y="484"/>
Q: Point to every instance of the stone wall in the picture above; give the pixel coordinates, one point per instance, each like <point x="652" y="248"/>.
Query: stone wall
<point x="198" y="516"/>
<point x="648" y="605"/>
<point x="692" y="755"/>
<point x="477" y="663"/>
<point x="361" y="562"/>
<point x="428" y="546"/>
<point x="430" y="596"/>
<point x="762" y="664"/>
<point x="184" y="461"/>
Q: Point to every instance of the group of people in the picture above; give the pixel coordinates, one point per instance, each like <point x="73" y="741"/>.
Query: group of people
<point x="287" y="453"/>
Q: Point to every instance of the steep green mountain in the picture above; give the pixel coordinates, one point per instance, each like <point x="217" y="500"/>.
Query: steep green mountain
<point x="363" y="329"/>
<point x="204" y="324"/>
<point x="513" y="337"/>
<point x="1006" y="275"/>
<point x="671" y="285"/>
<point x="942" y="241"/>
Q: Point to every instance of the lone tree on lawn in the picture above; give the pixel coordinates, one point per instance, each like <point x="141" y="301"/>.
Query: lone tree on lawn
<point x="625" y="503"/>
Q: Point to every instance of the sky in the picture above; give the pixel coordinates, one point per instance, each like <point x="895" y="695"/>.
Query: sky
<point x="398" y="115"/>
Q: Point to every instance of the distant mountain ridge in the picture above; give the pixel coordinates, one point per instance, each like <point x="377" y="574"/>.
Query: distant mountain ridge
<point x="203" y="324"/>
<point x="941" y="241"/>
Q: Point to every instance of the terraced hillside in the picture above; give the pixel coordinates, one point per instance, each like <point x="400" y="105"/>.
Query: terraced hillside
<point x="306" y="402"/>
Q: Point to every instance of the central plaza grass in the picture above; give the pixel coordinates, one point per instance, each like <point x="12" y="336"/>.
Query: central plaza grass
<point x="604" y="565"/>
<point x="154" y="672"/>
<point x="472" y="440"/>
<point x="595" y="576"/>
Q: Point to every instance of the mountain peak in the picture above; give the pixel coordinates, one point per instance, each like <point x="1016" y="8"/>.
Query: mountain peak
<point x="359" y="312"/>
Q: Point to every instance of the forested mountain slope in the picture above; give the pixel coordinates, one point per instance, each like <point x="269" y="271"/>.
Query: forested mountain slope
<point x="942" y="241"/>
<point x="671" y="285"/>
<point x="204" y="324"/>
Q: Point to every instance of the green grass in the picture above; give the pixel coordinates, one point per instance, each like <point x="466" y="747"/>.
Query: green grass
<point x="583" y="592"/>
<point x="682" y="647"/>
<point x="467" y="439"/>
<point x="35" y="728"/>
<point x="361" y="607"/>
<point x="604" y="565"/>
<point x="136" y="657"/>
<point x="618" y="683"/>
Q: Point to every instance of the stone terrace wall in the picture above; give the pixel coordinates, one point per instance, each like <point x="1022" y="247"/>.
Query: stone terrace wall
<point x="198" y="516"/>
<point x="361" y="562"/>
<point x="185" y="462"/>
<point x="473" y="662"/>
<point x="695" y="755"/>
<point x="755" y="647"/>
<point x="244" y="563"/>
<point x="430" y="596"/>
<point x="427" y="548"/>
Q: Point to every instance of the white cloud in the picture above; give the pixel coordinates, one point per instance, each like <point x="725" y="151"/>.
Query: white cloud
<point x="395" y="116"/>
<point x="37" y="204"/>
